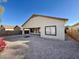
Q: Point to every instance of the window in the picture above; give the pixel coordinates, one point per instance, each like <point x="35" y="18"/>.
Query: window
<point x="50" y="30"/>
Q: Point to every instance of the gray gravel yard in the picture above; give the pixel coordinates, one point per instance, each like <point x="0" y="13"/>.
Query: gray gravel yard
<point x="41" y="48"/>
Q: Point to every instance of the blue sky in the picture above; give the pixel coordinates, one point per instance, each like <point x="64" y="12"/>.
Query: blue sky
<point x="18" y="11"/>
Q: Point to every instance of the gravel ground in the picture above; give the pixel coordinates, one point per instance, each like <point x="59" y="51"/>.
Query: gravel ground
<point x="41" y="48"/>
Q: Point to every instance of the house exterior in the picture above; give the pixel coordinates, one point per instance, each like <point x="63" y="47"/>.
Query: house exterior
<point x="68" y="29"/>
<point x="75" y="26"/>
<point x="9" y="28"/>
<point x="2" y="28"/>
<point x="6" y="28"/>
<point x="17" y="28"/>
<point x="45" y="26"/>
<point x="73" y="31"/>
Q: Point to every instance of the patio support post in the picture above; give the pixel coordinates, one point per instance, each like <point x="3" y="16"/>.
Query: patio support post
<point x="22" y="31"/>
<point x="29" y="31"/>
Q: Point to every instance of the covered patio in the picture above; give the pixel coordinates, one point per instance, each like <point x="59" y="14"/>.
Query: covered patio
<point x="34" y="31"/>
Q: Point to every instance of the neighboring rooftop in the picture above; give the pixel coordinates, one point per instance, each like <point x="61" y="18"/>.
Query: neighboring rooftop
<point x="76" y="24"/>
<point x="8" y="27"/>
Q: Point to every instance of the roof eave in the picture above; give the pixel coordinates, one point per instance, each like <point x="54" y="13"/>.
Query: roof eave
<point x="64" y="19"/>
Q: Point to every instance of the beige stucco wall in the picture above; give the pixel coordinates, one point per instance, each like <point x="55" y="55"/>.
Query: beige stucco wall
<point x="75" y="27"/>
<point x="42" y="22"/>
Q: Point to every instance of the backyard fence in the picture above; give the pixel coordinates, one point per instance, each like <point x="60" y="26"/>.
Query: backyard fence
<point x="7" y="33"/>
<point x="74" y="34"/>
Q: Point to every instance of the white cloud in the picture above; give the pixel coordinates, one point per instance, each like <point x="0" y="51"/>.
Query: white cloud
<point x="3" y="1"/>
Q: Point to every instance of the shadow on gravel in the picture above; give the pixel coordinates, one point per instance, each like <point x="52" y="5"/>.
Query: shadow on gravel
<point x="15" y="38"/>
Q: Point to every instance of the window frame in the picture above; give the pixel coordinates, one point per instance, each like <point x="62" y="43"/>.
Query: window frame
<point x="50" y="30"/>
